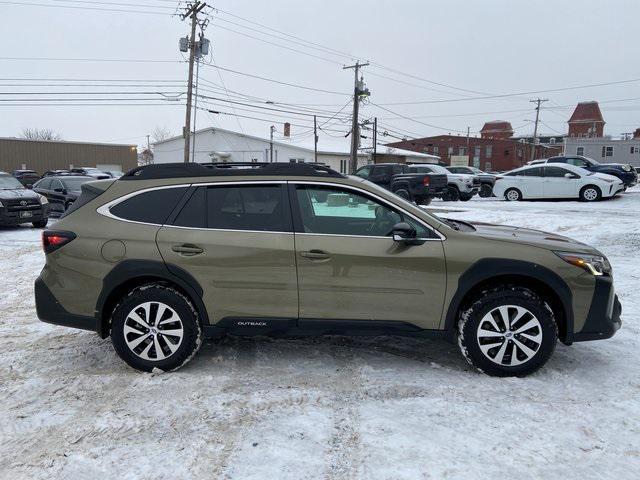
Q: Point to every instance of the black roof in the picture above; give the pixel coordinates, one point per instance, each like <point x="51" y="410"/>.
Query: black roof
<point x="181" y="170"/>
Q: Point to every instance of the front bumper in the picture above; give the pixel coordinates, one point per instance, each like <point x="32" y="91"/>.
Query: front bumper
<point x="49" y="310"/>
<point x="603" y="319"/>
<point x="12" y="217"/>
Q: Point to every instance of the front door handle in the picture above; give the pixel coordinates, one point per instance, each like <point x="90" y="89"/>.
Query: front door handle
<point x="187" y="249"/>
<point x="315" y="255"/>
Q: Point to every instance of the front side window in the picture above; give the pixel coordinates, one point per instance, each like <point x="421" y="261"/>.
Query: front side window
<point x="337" y="211"/>
<point x="44" y="184"/>
<point x="153" y="206"/>
<point x="578" y="162"/>
<point x="555" y="172"/>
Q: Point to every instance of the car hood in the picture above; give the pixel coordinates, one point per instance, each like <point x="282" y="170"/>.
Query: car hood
<point x="20" y="193"/>
<point x="536" y="238"/>
<point x="460" y="176"/>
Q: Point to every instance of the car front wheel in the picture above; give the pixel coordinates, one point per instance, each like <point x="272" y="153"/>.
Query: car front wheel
<point x="155" y="327"/>
<point x="590" y="193"/>
<point x="507" y="331"/>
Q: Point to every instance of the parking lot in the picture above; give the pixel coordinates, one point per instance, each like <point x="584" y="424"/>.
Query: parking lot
<point x="330" y="407"/>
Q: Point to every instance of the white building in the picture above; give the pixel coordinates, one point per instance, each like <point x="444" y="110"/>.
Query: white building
<point x="220" y="145"/>
<point x="605" y="149"/>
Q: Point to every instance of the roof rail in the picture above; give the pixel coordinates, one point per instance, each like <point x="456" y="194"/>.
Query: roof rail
<point x="182" y="170"/>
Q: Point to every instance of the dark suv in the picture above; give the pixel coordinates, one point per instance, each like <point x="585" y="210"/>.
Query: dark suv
<point x="61" y="191"/>
<point x="169" y="254"/>
<point x="20" y="205"/>
<point x="26" y="177"/>
<point x="624" y="172"/>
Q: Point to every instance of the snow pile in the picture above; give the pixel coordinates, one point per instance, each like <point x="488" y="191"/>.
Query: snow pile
<point x="381" y="408"/>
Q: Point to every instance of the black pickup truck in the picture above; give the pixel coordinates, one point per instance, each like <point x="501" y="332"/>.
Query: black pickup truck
<point x="415" y="187"/>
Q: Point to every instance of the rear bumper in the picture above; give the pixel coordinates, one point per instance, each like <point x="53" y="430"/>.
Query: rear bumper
<point x="49" y="310"/>
<point x="603" y="319"/>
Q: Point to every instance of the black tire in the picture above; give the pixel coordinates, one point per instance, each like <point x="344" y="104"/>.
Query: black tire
<point x="513" y="195"/>
<point x="465" y="197"/>
<point x="156" y="293"/>
<point x="452" y="194"/>
<point x="485" y="191"/>
<point x="507" y="343"/>
<point x="424" y="201"/>
<point x="404" y="193"/>
<point x="590" y="193"/>
<point x="40" y="223"/>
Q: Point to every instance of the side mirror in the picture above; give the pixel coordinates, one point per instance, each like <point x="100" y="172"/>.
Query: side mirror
<point x="568" y="175"/>
<point x="403" y="232"/>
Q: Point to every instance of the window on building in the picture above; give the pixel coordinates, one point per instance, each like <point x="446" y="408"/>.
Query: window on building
<point x="635" y="150"/>
<point x="450" y="150"/>
<point x="488" y="151"/>
<point x="580" y="151"/>
<point x="462" y="150"/>
<point x="476" y="151"/>
<point x="487" y="166"/>
<point x="607" y="151"/>
<point x="436" y="150"/>
<point x="343" y="166"/>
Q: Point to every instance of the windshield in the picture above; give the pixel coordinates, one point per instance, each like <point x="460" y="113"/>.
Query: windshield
<point x="7" y="182"/>
<point x="74" y="184"/>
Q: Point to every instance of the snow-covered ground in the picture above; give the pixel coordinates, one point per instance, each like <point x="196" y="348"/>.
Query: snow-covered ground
<point x="381" y="408"/>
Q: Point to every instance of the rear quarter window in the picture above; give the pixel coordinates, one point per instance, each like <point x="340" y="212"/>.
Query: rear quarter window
<point x="154" y="206"/>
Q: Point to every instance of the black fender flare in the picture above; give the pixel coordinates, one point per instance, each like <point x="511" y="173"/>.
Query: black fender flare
<point x="128" y="270"/>
<point x="489" y="268"/>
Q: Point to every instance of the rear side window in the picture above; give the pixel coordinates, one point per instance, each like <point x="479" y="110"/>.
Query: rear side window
<point x="154" y="206"/>
<point x="248" y="207"/>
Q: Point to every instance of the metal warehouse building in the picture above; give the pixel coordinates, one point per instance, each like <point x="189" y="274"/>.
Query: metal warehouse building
<point x="18" y="153"/>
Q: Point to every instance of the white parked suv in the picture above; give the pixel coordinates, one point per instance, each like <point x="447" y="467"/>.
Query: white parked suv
<point x="462" y="186"/>
<point x="557" y="181"/>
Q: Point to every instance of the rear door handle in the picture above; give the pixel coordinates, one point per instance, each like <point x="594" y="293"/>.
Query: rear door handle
<point x="187" y="249"/>
<point x="315" y="255"/>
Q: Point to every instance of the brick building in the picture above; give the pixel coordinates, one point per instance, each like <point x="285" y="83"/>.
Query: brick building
<point x="586" y="121"/>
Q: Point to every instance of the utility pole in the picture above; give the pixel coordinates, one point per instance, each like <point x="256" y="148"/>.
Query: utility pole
<point x="193" y="10"/>
<point x="148" y="144"/>
<point x="271" y="130"/>
<point x="315" y="139"/>
<point x="355" y="128"/>
<point x="538" y="102"/>
<point x="375" y="138"/>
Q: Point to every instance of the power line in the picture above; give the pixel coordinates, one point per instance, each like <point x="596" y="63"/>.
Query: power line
<point x="76" y="7"/>
<point x="417" y="121"/>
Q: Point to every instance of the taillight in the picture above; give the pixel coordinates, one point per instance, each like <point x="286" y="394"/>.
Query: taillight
<point x="53" y="240"/>
<point x="426" y="181"/>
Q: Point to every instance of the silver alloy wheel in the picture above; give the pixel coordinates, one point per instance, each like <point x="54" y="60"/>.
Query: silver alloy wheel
<point x="509" y="335"/>
<point x="153" y="331"/>
<point x="590" y="194"/>
<point x="513" y="195"/>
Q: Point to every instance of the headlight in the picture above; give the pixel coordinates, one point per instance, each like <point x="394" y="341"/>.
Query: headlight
<point x="43" y="199"/>
<point x="594" y="264"/>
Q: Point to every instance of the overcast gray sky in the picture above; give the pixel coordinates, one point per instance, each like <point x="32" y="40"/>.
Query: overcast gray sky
<point x="490" y="47"/>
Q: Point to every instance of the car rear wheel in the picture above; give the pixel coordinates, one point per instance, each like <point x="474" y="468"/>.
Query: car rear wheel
<point x="507" y="331"/>
<point x="590" y="193"/>
<point x="155" y="327"/>
<point x="513" y="195"/>
<point x="451" y="195"/>
<point x="404" y="193"/>
<point x="424" y="201"/>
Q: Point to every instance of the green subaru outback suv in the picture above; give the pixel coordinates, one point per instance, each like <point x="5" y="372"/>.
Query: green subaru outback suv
<point x="169" y="254"/>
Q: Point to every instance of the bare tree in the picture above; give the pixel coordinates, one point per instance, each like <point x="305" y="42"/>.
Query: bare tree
<point x="160" y="133"/>
<point x="46" y="134"/>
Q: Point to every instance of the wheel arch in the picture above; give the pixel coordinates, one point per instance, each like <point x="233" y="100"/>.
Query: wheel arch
<point x="130" y="274"/>
<point x="490" y="272"/>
